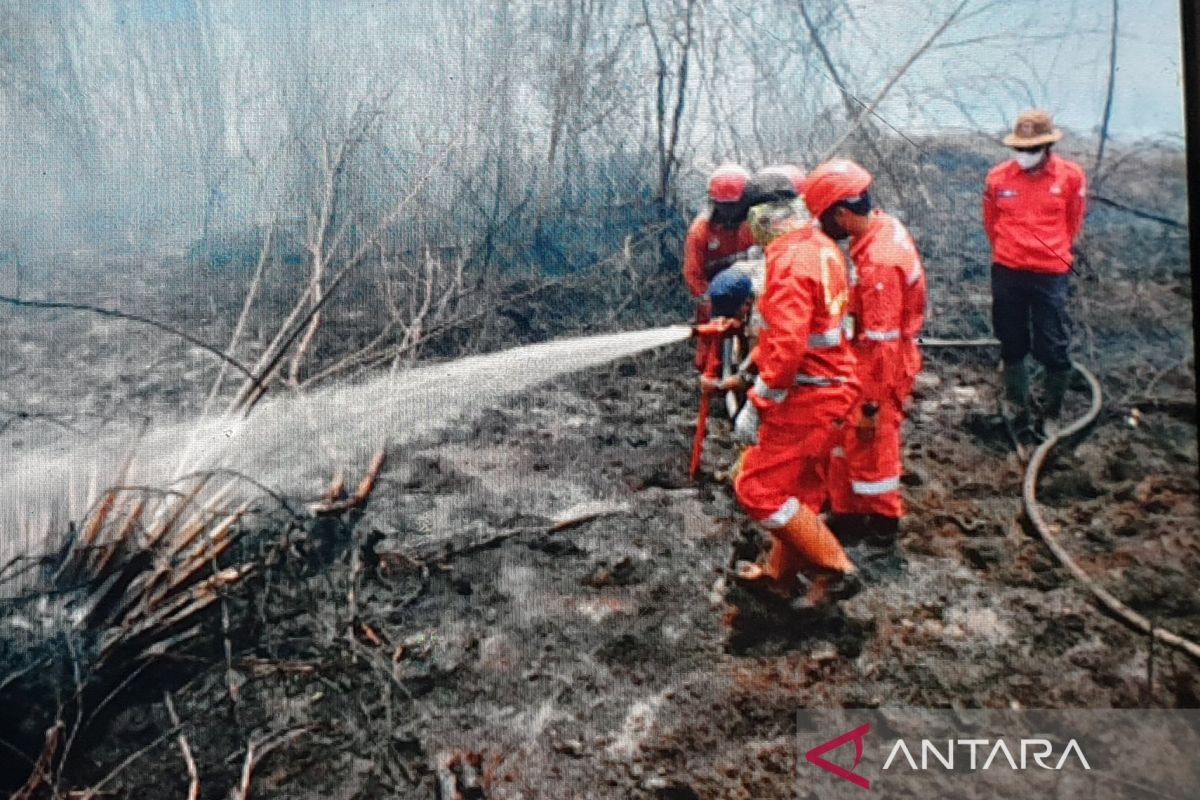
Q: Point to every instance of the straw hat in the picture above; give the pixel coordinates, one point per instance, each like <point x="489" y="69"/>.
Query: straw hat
<point x="1033" y="127"/>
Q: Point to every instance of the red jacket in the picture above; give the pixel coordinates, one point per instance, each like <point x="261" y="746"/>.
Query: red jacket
<point x="1032" y="218"/>
<point x="889" y="308"/>
<point x="804" y="303"/>
<point x="707" y="242"/>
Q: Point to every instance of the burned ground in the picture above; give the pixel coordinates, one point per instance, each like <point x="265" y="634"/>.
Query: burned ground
<point x="535" y="600"/>
<point x="604" y="654"/>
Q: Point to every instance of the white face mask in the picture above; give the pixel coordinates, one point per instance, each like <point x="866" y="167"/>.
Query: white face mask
<point x="1030" y="160"/>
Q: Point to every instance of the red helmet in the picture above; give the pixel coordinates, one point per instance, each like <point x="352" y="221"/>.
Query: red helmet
<point x="728" y="183"/>
<point x="832" y="182"/>
<point x="792" y="173"/>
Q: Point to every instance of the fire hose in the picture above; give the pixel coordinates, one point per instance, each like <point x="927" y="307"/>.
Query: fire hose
<point x="710" y="336"/>
<point x="1032" y="511"/>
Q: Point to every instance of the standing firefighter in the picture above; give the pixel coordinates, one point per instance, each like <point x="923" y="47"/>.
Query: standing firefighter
<point x="719" y="234"/>
<point x="804" y="389"/>
<point x="1033" y="209"/>
<point x="888" y="303"/>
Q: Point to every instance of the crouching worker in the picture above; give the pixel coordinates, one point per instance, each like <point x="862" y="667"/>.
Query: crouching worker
<point x="731" y="296"/>
<point x="718" y="235"/>
<point x="888" y="305"/>
<point x="729" y="293"/>
<point x="716" y="239"/>
<point x="797" y="406"/>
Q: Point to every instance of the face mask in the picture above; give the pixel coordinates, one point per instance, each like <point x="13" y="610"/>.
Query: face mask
<point x="728" y="215"/>
<point x="1030" y="160"/>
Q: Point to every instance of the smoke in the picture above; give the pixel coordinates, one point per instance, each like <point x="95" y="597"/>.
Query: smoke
<point x="142" y="127"/>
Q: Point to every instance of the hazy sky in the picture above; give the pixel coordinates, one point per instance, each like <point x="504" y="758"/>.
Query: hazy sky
<point x="1067" y="76"/>
<point x="1071" y="72"/>
<point x="155" y="170"/>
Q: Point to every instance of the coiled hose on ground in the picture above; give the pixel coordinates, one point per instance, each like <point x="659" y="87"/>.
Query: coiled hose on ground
<point x="1033" y="512"/>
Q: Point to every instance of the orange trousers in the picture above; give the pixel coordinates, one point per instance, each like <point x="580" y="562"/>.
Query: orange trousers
<point x="864" y="472"/>
<point x="789" y="465"/>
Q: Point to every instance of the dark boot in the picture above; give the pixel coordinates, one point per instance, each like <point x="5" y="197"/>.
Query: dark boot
<point x="882" y="531"/>
<point x="850" y="529"/>
<point x="1016" y="383"/>
<point x="1054" y="388"/>
<point x="1056" y="383"/>
<point x="1016" y="396"/>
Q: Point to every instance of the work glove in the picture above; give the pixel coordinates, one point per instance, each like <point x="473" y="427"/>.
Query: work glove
<point x="745" y="425"/>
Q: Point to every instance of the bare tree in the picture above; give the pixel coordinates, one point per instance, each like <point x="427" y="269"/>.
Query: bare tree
<point x="673" y="54"/>
<point x="1108" y="95"/>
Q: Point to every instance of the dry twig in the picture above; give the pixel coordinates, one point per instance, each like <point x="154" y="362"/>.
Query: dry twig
<point x="41" y="769"/>
<point x="185" y="749"/>
<point x="257" y="750"/>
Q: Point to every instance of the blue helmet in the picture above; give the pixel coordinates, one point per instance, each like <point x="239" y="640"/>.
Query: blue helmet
<point x="729" y="290"/>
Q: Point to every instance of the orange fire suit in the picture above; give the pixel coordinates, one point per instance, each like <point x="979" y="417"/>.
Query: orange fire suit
<point x="707" y="242"/>
<point x="806" y="382"/>
<point x="889" y="308"/>
<point x="1032" y="218"/>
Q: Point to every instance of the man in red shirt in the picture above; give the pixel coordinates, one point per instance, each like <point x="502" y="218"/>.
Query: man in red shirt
<point x="1033" y="209"/>
<point x="719" y="233"/>
<point x="888" y="304"/>
<point x="805" y="387"/>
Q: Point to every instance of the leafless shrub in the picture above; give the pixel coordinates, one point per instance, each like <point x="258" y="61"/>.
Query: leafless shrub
<point x="137" y="582"/>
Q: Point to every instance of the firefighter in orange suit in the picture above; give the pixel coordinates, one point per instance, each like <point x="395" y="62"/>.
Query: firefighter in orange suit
<point x="719" y="234"/>
<point x="805" y="387"/>
<point x="888" y="305"/>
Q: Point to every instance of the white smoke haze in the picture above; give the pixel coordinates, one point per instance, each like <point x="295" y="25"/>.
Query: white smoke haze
<point x="145" y="125"/>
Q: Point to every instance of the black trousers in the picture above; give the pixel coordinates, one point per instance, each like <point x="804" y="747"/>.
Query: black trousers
<point x="1023" y="302"/>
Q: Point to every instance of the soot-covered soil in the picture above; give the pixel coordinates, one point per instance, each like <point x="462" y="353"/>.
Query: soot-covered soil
<point x="540" y="608"/>
<point x="535" y="604"/>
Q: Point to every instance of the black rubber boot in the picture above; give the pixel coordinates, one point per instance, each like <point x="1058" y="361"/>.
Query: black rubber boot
<point x="850" y="529"/>
<point x="882" y="531"/>
<point x="1055" y="385"/>
<point x="1016" y="391"/>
